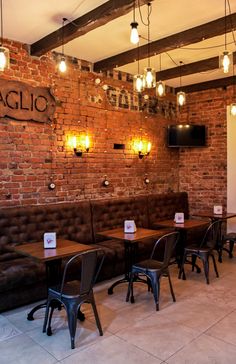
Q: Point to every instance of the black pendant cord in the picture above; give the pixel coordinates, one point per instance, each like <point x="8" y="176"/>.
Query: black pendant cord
<point x="225" y="27"/>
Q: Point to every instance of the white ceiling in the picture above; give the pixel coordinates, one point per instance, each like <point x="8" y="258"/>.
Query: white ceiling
<point x="28" y="21"/>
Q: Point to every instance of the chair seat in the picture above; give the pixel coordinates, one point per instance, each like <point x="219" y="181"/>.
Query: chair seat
<point x="196" y="250"/>
<point x="69" y="289"/>
<point x="230" y="236"/>
<point x="149" y="264"/>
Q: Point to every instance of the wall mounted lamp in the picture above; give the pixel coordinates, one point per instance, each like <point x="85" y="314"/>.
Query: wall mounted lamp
<point x="4" y="52"/>
<point x="80" y="144"/>
<point x="144" y="149"/>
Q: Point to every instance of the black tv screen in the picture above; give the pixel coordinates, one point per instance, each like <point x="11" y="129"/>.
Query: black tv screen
<point x="186" y="135"/>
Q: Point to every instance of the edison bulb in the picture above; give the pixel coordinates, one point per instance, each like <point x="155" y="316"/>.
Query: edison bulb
<point x="62" y="65"/>
<point x="134" y="37"/>
<point x="233" y="109"/>
<point x="226" y="62"/>
<point x="3" y="61"/>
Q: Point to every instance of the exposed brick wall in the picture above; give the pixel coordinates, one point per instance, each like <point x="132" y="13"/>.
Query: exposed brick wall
<point x="32" y="154"/>
<point x="203" y="171"/>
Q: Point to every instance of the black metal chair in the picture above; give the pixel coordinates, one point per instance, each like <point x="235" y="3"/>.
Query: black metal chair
<point x="230" y="239"/>
<point x="154" y="269"/>
<point x="203" y="251"/>
<point x="71" y="294"/>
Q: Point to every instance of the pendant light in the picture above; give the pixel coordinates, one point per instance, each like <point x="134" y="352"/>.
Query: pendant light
<point x="149" y="77"/>
<point x="134" y="36"/>
<point x="160" y="87"/>
<point x="138" y="85"/>
<point x="4" y="52"/>
<point x="233" y="104"/>
<point x="181" y="96"/>
<point x="62" y="64"/>
<point x="225" y="59"/>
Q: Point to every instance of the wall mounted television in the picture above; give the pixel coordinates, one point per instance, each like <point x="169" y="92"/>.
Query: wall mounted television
<point x="186" y="135"/>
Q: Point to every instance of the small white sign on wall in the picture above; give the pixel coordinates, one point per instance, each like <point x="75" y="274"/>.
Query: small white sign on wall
<point x="49" y="240"/>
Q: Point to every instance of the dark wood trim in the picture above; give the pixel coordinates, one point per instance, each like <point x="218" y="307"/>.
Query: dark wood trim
<point x="219" y="83"/>
<point x="190" y="36"/>
<point x="95" y="18"/>
<point x="191" y="68"/>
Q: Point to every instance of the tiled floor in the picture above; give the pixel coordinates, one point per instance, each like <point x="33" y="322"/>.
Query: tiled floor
<point x="200" y="328"/>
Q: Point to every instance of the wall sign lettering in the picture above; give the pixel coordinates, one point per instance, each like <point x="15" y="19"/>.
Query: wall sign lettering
<point x="21" y="101"/>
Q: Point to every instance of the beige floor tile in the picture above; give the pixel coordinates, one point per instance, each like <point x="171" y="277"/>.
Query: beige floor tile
<point x="158" y="336"/>
<point x="58" y="344"/>
<point x="7" y="329"/>
<point x="112" y="350"/>
<point x="23" y="350"/>
<point x="225" y="329"/>
<point x="205" y="350"/>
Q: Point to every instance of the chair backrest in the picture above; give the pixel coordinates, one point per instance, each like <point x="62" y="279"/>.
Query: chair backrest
<point x="212" y="234"/>
<point x="169" y="240"/>
<point x="88" y="269"/>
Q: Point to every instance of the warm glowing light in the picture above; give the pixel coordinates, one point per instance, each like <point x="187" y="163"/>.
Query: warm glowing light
<point x="233" y="109"/>
<point x="142" y="147"/>
<point x="62" y="65"/>
<point x="74" y="142"/>
<point x="87" y="143"/>
<point x="138" y="83"/>
<point x="4" y="58"/>
<point x="181" y="98"/>
<point x="226" y="63"/>
<point x="149" y="77"/>
<point x="160" y="89"/>
<point x="134" y="37"/>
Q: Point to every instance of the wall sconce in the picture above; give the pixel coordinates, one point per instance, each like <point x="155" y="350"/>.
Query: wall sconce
<point x="80" y="144"/>
<point x="144" y="149"/>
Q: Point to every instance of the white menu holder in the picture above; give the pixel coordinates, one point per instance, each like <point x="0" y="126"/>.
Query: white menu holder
<point x="218" y="210"/>
<point x="129" y="226"/>
<point x="49" y="240"/>
<point x="179" y="218"/>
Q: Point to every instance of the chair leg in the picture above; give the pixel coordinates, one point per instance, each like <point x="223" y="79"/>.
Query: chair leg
<point x="171" y="288"/>
<point x="49" y="329"/>
<point x="72" y="310"/>
<point x="131" y="287"/>
<point x="46" y="316"/>
<point x="194" y="258"/>
<point x="206" y="268"/>
<point x="231" y="248"/>
<point x="155" y="289"/>
<point x="96" y="316"/>
<point x="181" y="270"/>
<point x="215" y="266"/>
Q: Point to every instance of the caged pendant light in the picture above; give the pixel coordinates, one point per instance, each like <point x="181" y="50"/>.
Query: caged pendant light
<point x="160" y="87"/>
<point x="4" y="52"/>
<point x="134" y="36"/>
<point x="62" y="64"/>
<point x="225" y="59"/>
<point x="138" y="85"/>
<point x="149" y="77"/>
<point x="181" y="96"/>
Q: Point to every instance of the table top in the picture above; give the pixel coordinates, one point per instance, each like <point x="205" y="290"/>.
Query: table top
<point x="211" y="215"/>
<point x="187" y="225"/>
<point x="140" y="234"/>
<point x="65" y="248"/>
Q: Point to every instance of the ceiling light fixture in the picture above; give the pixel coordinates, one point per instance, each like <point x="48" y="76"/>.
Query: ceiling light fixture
<point x="149" y="72"/>
<point x="138" y="79"/>
<point x="181" y="96"/>
<point x="233" y="104"/>
<point x="225" y="59"/>
<point x="62" y="63"/>
<point x="4" y="52"/>
<point x="134" y="36"/>
<point x="160" y="88"/>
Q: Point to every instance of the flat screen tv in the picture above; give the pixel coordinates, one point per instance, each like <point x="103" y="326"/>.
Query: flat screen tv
<point x="186" y="135"/>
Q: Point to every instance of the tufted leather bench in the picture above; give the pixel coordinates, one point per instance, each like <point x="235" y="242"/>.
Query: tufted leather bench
<point x="23" y="280"/>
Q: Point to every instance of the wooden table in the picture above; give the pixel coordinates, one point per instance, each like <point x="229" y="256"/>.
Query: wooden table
<point x="52" y="259"/>
<point x="188" y="224"/>
<point x="130" y="244"/>
<point x="214" y="217"/>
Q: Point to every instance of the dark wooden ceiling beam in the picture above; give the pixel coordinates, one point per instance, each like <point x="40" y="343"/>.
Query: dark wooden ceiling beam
<point x="190" y="36"/>
<point x="95" y="18"/>
<point x="219" y="83"/>
<point x="191" y="68"/>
